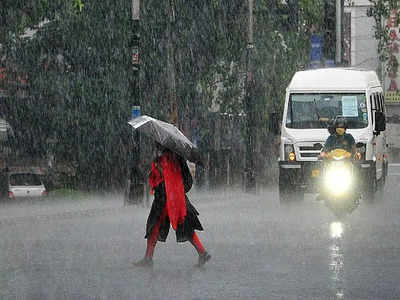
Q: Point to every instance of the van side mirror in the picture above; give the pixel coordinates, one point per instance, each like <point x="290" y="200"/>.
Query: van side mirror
<point x="274" y="123"/>
<point x="380" y="121"/>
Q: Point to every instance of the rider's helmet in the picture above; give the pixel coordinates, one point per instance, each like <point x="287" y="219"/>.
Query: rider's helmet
<point x="340" y="122"/>
<point x="340" y="125"/>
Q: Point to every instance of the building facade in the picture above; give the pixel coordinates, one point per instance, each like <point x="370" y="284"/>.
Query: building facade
<point x="361" y="51"/>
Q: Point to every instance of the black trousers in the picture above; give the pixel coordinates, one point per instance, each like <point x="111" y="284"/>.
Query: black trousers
<point x="184" y="231"/>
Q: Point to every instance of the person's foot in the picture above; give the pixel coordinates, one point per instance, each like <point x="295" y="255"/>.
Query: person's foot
<point x="203" y="258"/>
<point x="145" y="262"/>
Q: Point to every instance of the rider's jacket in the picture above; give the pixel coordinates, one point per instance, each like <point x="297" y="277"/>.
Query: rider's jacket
<point x="335" y="141"/>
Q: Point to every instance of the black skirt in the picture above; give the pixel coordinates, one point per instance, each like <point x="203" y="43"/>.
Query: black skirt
<point x="184" y="231"/>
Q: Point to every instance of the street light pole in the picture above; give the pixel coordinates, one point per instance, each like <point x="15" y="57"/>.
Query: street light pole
<point x="250" y="183"/>
<point x="135" y="190"/>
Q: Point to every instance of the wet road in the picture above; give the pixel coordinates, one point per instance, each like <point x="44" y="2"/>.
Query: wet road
<point x="84" y="249"/>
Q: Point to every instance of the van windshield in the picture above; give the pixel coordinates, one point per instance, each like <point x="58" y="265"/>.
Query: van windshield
<point x="317" y="110"/>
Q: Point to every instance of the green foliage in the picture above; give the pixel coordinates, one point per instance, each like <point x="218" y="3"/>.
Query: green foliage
<point x="81" y="86"/>
<point x="380" y="10"/>
<point x="68" y="193"/>
<point x="312" y="13"/>
<point x="17" y="15"/>
<point x="78" y="74"/>
<point x="78" y="5"/>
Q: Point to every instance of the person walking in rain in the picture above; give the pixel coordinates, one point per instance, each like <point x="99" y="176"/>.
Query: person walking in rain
<point x="170" y="180"/>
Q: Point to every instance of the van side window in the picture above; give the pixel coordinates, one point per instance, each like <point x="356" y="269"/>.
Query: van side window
<point x="382" y="102"/>
<point x="372" y="103"/>
<point x="376" y="100"/>
<point x="380" y="107"/>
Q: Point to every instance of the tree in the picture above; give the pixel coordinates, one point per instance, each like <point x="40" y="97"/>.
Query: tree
<point x="380" y="10"/>
<point x="78" y="70"/>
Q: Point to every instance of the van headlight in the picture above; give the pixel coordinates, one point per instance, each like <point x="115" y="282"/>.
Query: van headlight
<point x="338" y="179"/>
<point x="289" y="152"/>
<point x="358" y="156"/>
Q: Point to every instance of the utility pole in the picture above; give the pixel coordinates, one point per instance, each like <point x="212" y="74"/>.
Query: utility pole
<point x="173" y="113"/>
<point x="136" y="10"/>
<point x="136" y="36"/>
<point x="250" y="182"/>
<point x="338" y="57"/>
<point x="135" y="187"/>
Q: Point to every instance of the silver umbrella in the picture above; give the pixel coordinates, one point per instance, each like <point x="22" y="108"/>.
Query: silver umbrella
<point x="168" y="135"/>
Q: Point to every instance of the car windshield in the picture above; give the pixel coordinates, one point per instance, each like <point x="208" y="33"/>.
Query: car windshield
<point x="25" y="179"/>
<point x="317" y="110"/>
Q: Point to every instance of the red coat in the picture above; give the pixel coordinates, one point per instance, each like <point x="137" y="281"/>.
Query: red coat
<point x="174" y="188"/>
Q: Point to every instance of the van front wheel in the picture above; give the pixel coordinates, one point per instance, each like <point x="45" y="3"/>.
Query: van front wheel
<point x="285" y="194"/>
<point x="369" y="194"/>
<point x="290" y="194"/>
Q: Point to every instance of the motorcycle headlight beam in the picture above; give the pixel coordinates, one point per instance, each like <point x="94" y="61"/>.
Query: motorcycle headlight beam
<point x="338" y="179"/>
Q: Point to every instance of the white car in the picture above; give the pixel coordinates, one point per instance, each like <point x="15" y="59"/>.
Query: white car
<point x="25" y="184"/>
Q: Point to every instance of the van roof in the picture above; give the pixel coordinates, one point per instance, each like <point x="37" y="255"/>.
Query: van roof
<point x="333" y="79"/>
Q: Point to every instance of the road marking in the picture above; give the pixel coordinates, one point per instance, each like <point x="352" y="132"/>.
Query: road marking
<point x="394" y="174"/>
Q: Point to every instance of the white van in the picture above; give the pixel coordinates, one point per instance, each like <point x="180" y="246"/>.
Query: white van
<point x="313" y="99"/>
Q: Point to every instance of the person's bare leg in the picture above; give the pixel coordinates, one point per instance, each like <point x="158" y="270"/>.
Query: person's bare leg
<point x="147" y="261"/>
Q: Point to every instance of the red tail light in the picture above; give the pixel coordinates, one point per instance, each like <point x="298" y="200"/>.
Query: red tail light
<point x="10" y="194"/>
<point x="44" y="193"/>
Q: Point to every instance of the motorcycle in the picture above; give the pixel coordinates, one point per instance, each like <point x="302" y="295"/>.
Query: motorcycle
<point x="339" y="186"/>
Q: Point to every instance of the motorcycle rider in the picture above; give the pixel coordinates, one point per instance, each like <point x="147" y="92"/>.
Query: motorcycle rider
<point x="339" y="139"/>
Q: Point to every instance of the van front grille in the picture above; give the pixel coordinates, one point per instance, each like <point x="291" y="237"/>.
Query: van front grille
<point x="309" y="154"/>
<point x="314" y="147"/>
<point x="310" y="149"/>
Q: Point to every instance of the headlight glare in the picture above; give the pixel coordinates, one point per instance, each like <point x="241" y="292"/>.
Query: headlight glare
<point x="338" y="179"/>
